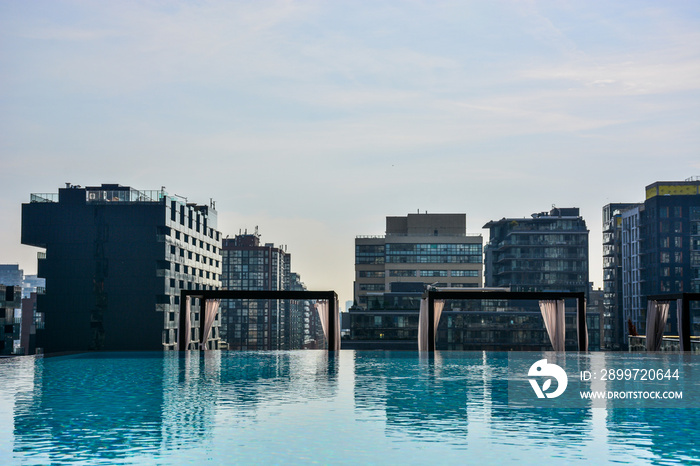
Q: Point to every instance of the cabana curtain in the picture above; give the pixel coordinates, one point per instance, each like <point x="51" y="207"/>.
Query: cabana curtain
<point x="657" y="315"/>
<point x="211" y="308"/>
<point x="323" y="314"/>
<point x="553" y="315"/>
<point x="438" y="306"/>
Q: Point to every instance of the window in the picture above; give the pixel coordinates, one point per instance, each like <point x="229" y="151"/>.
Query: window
<point x="464" y="273"/>
<point x="433" y="273"/>
<point x="371" y="274"/>
<point x="678" y="242"/>
<point x="402" y="273"/>
<point x="665" y="258"/>
<point x="371" y="287"/>
<point x="665" y="242"/>
<point x="678" y="257"/>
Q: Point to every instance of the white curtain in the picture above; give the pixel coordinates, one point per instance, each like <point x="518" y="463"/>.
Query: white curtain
<point x="188" y="321"/>
<point x="323" y="308"/>
<point x="657" y="315"/>
<point x="679" y="317"/>
<point x="553" y="315"/>
<point x="438" y="305"/>
<point x="211" y="307"/>
<point x="584" y="330"/>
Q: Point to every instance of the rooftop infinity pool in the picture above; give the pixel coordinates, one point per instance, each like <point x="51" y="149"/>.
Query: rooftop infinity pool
<point x="304" y="407"/>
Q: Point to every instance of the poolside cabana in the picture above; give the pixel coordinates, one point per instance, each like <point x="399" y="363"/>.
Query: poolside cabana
<point x="328" y="311"/>
<point x="551" y="305"/>
<point x="657" y="316"/>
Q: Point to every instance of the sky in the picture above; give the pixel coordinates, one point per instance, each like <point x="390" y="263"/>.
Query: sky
<point x="314" y="120"/>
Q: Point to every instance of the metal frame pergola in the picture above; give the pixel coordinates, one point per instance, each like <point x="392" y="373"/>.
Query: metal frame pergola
<point x="684" y="324"/>
<point x="432" y="295"/>
<point x="329" y="296"/>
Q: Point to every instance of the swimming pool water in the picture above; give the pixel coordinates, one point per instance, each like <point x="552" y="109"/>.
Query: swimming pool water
<point x="311" y="407"/>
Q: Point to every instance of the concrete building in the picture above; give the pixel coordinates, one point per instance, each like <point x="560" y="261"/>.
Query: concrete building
<point x="419" y="249"/>
<point x="116" y="259"/>
<point x="392" y="271"/>
<point x="547" y="252"/>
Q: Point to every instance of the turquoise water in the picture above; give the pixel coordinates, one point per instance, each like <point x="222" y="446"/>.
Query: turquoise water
<point x="308" y="407"/>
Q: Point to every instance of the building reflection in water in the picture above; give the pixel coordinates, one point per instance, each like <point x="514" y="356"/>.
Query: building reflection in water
<point x="119" y="405"/>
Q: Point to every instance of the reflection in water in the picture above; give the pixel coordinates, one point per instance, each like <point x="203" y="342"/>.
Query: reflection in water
<point x="258" y="406"/>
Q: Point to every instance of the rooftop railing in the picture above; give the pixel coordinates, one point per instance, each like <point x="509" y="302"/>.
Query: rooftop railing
<point x="43" y="197"/>
<point x="123" y="195"/>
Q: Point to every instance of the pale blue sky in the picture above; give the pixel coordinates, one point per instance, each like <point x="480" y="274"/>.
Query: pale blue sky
<point x="315" y="120"/>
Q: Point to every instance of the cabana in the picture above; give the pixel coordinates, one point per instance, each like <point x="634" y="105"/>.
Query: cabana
<point x="657" y="315"/>
<point x="210" y="299"/>
<point x="551" y="306"/>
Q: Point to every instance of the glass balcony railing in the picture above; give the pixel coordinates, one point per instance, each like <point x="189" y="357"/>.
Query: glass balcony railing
<point x="43" y="197"/>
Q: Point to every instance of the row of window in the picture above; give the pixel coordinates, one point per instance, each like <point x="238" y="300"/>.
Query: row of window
<point x="193" y="256"/>
<point x="191" y="239"/>
<point x="433" y="273"/>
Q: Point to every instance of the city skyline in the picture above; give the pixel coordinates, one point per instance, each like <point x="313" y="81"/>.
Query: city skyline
<point x="315" y="121"/>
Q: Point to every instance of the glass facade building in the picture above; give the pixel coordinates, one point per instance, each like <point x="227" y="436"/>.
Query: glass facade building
<point x="614" y="323"/>
<point x="264" y="324"/>
<point x="547" y="252"/>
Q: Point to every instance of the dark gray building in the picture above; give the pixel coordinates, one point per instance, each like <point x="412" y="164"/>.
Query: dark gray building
<point x="547" y="252"/>
<point x="116" y="259"/>
<point x="661" y="248"/>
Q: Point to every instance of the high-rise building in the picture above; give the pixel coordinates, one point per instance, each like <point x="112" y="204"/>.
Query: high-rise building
<point x="547" y="252"/>
<point x="423" y="249"/>
<point x="661" y="246"/>
<point x="116" y="259"/>
<point x="258" y="324"/>
<point x="392" y="272"/>
<point x="613" y="322"/>
<point x="633" y="302"/>
<point x="10" y="319"/>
